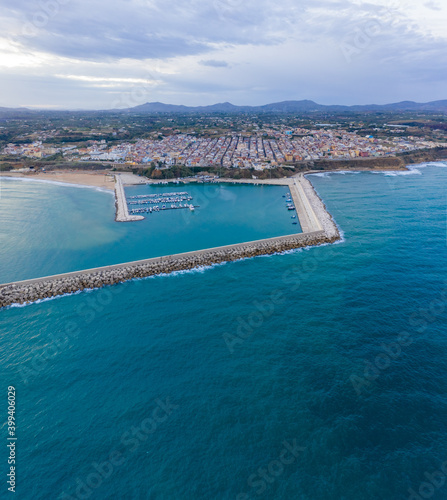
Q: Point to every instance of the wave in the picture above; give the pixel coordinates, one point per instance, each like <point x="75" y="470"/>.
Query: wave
<point x="57" y="183"/>
<point x="411" y="170"/>
<point x="321" y="174"/>
<point x="195" y="270"/>
<point x="339" y="172"/>
<point x="344" y="172"/>
<point x="396" y="173"/>
<point x="47" y="299"/>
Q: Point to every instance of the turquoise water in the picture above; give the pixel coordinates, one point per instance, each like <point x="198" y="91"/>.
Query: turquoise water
<point x="254" y="357"/>
<point x="49" y="229"/>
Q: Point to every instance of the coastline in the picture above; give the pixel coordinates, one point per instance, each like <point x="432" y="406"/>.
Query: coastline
<point x="321" y="229"/>
<point x="104" y="179"/>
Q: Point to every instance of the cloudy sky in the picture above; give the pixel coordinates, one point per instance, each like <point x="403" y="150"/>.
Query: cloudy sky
<point x="98" y="54"/>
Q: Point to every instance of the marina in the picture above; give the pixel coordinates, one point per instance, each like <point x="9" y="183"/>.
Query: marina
<point x="156" y="201"/>
<point x="319" y="229"/>
<point x="156" y="208"/>
<point x="160" y="202"/>
<point x="142" y="196"/>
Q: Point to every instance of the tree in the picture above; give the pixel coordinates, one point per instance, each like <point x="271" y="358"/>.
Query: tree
<point x="157" y="174"/>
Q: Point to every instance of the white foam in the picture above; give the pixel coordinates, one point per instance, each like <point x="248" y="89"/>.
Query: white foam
<point x="344" y="172"/>
<point x="339" y="172"/>
<point x="321" y="174"/>
<point x="411" y="170"/>
<point x="47" y="299"/>
<point x="199" y="269"/>
<point x="396" y="173"/>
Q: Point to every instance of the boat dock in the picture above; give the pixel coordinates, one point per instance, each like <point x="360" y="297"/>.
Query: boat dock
<point x="157" y="208"/>
<point x="160" y="202"/>
<point x="167" y="195"/>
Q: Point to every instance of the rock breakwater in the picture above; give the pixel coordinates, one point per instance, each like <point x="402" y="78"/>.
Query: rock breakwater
<point x="53" y="286"/>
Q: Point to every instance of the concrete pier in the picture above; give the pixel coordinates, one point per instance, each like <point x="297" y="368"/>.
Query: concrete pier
<point x="306" y="214"/>
<point x="122" y="212"/>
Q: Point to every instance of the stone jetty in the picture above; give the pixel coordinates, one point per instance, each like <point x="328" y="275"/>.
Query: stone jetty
<point x="317" y="224"/>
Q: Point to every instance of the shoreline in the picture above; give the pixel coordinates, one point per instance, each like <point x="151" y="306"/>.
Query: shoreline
<point x="104" y="179"/>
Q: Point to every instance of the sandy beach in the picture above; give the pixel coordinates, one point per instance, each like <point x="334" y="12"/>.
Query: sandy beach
<point x="101" y="179"/>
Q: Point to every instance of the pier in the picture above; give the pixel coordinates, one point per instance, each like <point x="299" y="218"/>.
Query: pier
<point x="122" y="211"/>
<point x="308" y="219"/>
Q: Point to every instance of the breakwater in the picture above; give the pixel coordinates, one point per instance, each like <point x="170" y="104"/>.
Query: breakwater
<point x="41" y="288"/>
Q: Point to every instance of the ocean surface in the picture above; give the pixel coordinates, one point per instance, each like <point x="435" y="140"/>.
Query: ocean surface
<point x="320" y="374"/>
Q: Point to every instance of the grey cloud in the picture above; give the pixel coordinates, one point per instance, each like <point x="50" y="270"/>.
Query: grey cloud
<point x="136" y="29"/>
<point x="214" y="63"/>
<point x="119" y="45"/>
<point x="432" y="5"/>
<point x="91" y="29"/>
<point x="272" y="50"/>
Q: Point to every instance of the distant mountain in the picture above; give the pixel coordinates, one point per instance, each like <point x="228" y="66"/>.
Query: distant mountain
<point x="289" y="107"/>
<point x="159" y="107"/>
<point x="304" y="106"/>
<point x="14" y="112"/>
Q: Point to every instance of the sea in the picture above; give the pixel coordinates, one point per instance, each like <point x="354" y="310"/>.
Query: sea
<point x="317" y="374"/>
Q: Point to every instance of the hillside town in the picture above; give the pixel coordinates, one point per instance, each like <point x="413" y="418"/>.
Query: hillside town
<point x="259" y="151"/>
